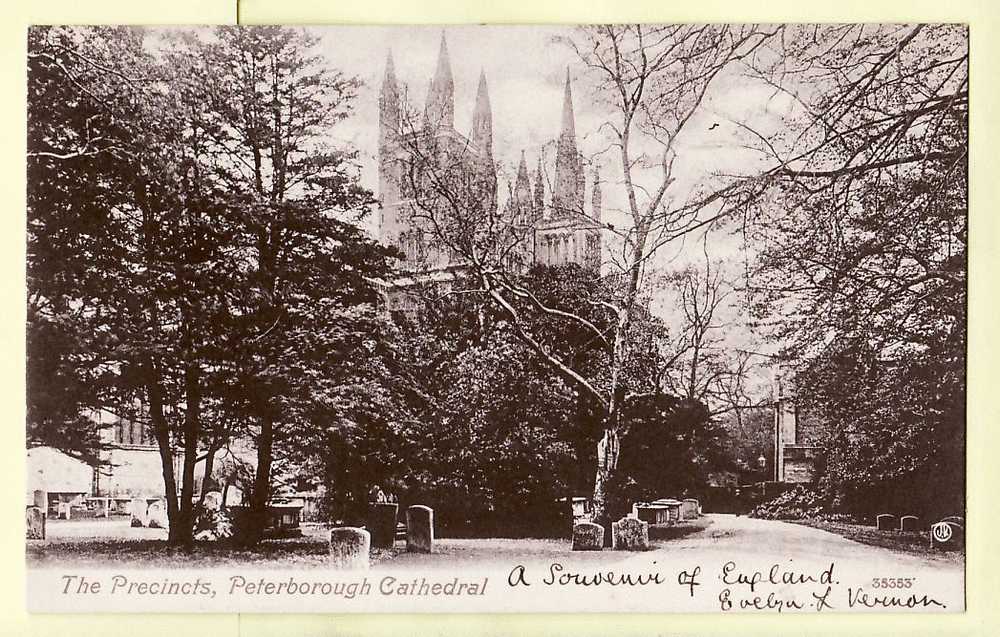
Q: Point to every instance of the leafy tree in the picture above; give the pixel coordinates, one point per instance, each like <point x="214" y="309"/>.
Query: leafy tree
<point x="669" y="447"/>
<point x="306" y="293"/>
<point x="124" y="243"/>
<point x="80" y="86"/>
<point x="188" y="225"/>
<point x="456" y="410"/>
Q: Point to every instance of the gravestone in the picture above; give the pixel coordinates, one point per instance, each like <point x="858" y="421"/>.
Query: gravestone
<point x="42" y="501"/>
<point x="382" y="523"/>
<point x="137" y="509"/>
<point x="349" y="547"/>
<point x="628" y="534"/>
<point x="213" y="501"/>
<point x="588" y="536"/>
<point x="886" y="522"/>
<point x="909" y="523"/>
<point x="947" y="535"/>
<point x="419" y="529"/>
<point x="689" y="509"/>
<point x="65" y="512"/>
<point x="156" y="515"/>
<point x="35" y="523"/>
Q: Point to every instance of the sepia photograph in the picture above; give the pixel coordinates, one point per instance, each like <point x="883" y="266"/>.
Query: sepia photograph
<point x="598" y="318"/>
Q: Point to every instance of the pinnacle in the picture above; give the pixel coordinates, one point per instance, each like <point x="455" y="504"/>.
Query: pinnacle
<point x="568" y="119"/>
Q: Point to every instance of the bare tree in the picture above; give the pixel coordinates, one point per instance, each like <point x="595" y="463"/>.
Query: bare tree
<point x="871" y="154"/>
<point x="698" y="365"/>
<point x="653" y="80"/>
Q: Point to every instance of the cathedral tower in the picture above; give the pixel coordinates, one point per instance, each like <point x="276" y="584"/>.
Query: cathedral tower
<point x="538" y="210"/>
<point x="481" y="139"/>
<point x="522" y="192"/>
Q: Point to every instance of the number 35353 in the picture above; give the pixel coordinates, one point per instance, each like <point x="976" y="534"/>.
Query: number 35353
<point x="893" y="582"/>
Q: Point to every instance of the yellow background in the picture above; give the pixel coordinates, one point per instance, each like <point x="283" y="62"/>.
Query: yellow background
<point x="983" y="569"/>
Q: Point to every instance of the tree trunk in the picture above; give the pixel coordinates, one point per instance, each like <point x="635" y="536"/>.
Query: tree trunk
<point x="257" y="521"/>
<point x="182" y="523"/>
<point x="606" y="503"/>
<point x="162" y="433"/>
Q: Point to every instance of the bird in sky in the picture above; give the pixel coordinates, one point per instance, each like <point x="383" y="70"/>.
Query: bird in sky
<point x="713" y="126"/>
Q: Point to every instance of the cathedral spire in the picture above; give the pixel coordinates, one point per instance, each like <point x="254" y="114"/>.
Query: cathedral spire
<point x="539" y="202"/>
<point x="568" y="120"/>
<point x="388" y="103"/>
<point x="522" y="187"/>
<point x="439" y="111"/>
<point x="482" y="120"/>
<point x="388" y="138"/>
<point x="390" y="72"/>
<point x="522" y="171"/>
<point x="567" y="195"/>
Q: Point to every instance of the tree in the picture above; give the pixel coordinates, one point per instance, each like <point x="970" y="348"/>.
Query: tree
<point x="306" y="274"/>
<point x="186" y="225"/>
<point x="78" y="87"/>
<point x="652" y="79"/>
<point x="669" y="446"/>
<point x="125" y="242"/>
<point x="863" y="248"/>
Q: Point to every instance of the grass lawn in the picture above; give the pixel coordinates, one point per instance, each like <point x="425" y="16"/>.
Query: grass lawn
<point x="914" y="542"/>
<point x="110" y="544"/>
<point x="664" y="533"/>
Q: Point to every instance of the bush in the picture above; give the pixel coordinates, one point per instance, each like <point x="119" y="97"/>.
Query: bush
<point x="797" y="504"/>
<point x="212" y="525"/>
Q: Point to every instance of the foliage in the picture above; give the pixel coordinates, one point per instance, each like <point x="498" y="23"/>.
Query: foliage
<point x="189" y="224"/>
<point x="78" y="165"/>
<point x="898" y="442"/>
<point x="454" y="410"/>
<point x="863" y="250"/>
<point x="797" y="504"/>
<point x="669" y="448"/>
<point x="213" y="524"/>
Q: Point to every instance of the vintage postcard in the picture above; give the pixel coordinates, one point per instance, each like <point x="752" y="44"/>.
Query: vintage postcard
<point x="606" y="318"/>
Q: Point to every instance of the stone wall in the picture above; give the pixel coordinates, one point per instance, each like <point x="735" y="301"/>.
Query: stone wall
<point x="134" y="471"/>
<point x="800" y="463"/>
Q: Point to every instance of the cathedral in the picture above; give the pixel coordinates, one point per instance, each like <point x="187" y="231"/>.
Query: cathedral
<point x="420" y="189"/>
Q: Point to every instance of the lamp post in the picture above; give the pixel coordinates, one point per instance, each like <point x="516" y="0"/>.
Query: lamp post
<point x="762" y="463"/>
